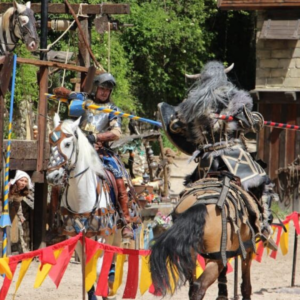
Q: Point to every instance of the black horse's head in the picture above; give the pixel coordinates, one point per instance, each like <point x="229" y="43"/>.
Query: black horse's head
<point x="23" y="25"/>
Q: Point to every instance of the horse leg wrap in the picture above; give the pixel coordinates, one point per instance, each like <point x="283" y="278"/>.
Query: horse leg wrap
<point x="91" y="294"/>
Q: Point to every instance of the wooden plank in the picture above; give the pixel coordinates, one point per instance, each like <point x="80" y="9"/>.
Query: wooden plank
<point x="42" y="117"/>
<point x="256" y="5"/>
<point x="277" y="97"/>
<point x="261" y="135"/>
<point x="5" y="76"/>
<point x="297" y="141"/>
<point x="1" y="131"/>
<point x="21" y="149"/>
<point x="282" y="136"/>
<point x="274" y="140"/>
<point x="90" y="9"/>
<point x="290" y="154"/>
<point x="6" y="73"/>
<point x="26" y="164"/>
<point x="266" y="142"/>
<point x="43" y="63"/>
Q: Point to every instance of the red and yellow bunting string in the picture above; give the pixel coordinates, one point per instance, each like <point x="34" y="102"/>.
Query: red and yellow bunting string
<point x="55" y="259"/>
<point x="282" y="237"/>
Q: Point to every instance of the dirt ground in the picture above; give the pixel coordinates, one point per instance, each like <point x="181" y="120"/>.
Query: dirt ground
<point x="271" y="279"/>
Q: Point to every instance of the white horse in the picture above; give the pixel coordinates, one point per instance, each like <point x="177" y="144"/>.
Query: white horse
<point x="16" y="23"/>
<point x="85" y="204"/>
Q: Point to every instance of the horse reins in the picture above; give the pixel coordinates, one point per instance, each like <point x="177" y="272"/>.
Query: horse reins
<point x="55" y="139"/>
<point x="24" y="30"/>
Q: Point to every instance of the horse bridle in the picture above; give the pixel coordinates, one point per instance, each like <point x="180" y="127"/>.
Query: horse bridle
<point x="55" y="138"/>
<point x="25" y="29"/>
<point x="60" y="160"/>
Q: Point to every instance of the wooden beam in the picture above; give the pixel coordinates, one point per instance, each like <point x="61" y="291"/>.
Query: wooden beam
<point x="90" y="9"/>
<point x="256" y="4"/>
<point x="5" y="76"/>
<point x="27" y="165"/>
<point x="51" y="64"/>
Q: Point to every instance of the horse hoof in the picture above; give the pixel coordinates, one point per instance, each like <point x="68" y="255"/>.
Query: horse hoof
<point x="110" y="298"/>
<point x="93" y="297"/>
<point x="221" y="298"/>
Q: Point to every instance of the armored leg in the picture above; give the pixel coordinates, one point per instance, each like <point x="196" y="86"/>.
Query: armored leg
<point x="266" y="231"/>
<point x="123" y="203"/>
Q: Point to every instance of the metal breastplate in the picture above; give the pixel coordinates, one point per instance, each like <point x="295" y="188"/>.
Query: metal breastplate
<point x="95" y="121"/>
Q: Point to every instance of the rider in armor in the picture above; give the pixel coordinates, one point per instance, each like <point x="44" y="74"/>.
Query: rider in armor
<point x="220" y="145"/>
<point x="102" y="128"/>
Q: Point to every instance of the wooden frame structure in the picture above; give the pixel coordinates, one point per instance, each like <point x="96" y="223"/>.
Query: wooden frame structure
<point x="26" y="160"/>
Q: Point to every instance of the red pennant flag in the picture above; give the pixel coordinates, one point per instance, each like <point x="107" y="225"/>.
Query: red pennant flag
<point x="132" y="277"/>
<point x="274" y="253"/>
<point x="229" y="267"/>
<point x="152" y="291"/>
<point x="47" y="257"/>
<point x="57" y="272"/>
<point x="259" y="251"/>
<point x="90" y="249"/>
<point x="295" y="218"/>
<point x="201" y="261"/>
<point x="102" y="286"/>
<point x="7" y="282"/>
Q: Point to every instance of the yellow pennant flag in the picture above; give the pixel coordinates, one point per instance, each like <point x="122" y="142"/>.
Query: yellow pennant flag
<point x="172" y="270"/>
<point x="24" y="267"/>
<point x="284" y="240"/>
<point x="142" y="237"/>
<point x="118" y="273"/>
<point x="91" y="270"/>
<point x="145" y="277"/>
<point x="42" y="274"/>
<point x="4" y="267"/>
<point x="199" y="270"/>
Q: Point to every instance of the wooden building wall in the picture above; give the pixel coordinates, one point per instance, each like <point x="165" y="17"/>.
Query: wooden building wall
<point x="278" y="147"/>
<point x="277" y="88"/>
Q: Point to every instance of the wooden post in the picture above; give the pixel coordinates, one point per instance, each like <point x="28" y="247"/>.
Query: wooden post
<point x="41" y="187"/>
<point x="83" y="264"/>
<point x="235" y="281"/>
<point x="294" y="259"/>
<point x="83" y="53"/>
<point x="4" y="83"/>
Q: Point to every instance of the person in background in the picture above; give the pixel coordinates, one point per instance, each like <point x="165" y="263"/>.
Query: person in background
<point x="19" y="187"/>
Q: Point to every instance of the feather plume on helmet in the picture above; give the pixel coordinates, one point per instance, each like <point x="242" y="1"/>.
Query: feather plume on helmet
<point x="212" y="93"/>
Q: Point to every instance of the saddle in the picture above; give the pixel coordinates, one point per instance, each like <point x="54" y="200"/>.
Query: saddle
<point x="236" y="206"/>
<point x="132" y="204"/>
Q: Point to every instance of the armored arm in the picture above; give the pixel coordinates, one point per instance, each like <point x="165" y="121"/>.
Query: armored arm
<point x="250" y="120"/>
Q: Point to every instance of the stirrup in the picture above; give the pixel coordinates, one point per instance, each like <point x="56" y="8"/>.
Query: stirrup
<point x="268" y="242"/>
<point x="127" y="233"/>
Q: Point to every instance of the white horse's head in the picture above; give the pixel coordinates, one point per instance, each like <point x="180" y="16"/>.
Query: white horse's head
<point x="70" y="151"/>
<point x="63" y="150"/>
<point x="24" y="25"/>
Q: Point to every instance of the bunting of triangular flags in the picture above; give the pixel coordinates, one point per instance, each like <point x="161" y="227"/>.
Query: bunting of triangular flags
<point x="55" y="259"/>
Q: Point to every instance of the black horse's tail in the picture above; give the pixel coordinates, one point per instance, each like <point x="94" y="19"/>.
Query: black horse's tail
<point x="172" y="261"/>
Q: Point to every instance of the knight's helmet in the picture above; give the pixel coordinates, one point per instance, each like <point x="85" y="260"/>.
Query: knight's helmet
<point x="105" y="80"/>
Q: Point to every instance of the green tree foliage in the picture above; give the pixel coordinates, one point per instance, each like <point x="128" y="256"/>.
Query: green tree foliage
<point x="167" y="40"/>
<point x="170" y="38"/>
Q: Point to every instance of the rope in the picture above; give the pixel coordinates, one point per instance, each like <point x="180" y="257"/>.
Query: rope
<point x="66" y="61"/>
<point x="49" y="46"/>
<point x="108" y="42"/>
<point x="80" y="14"/>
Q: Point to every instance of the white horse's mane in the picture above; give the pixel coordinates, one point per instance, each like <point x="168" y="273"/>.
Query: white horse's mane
<point x="86" y="151"/>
